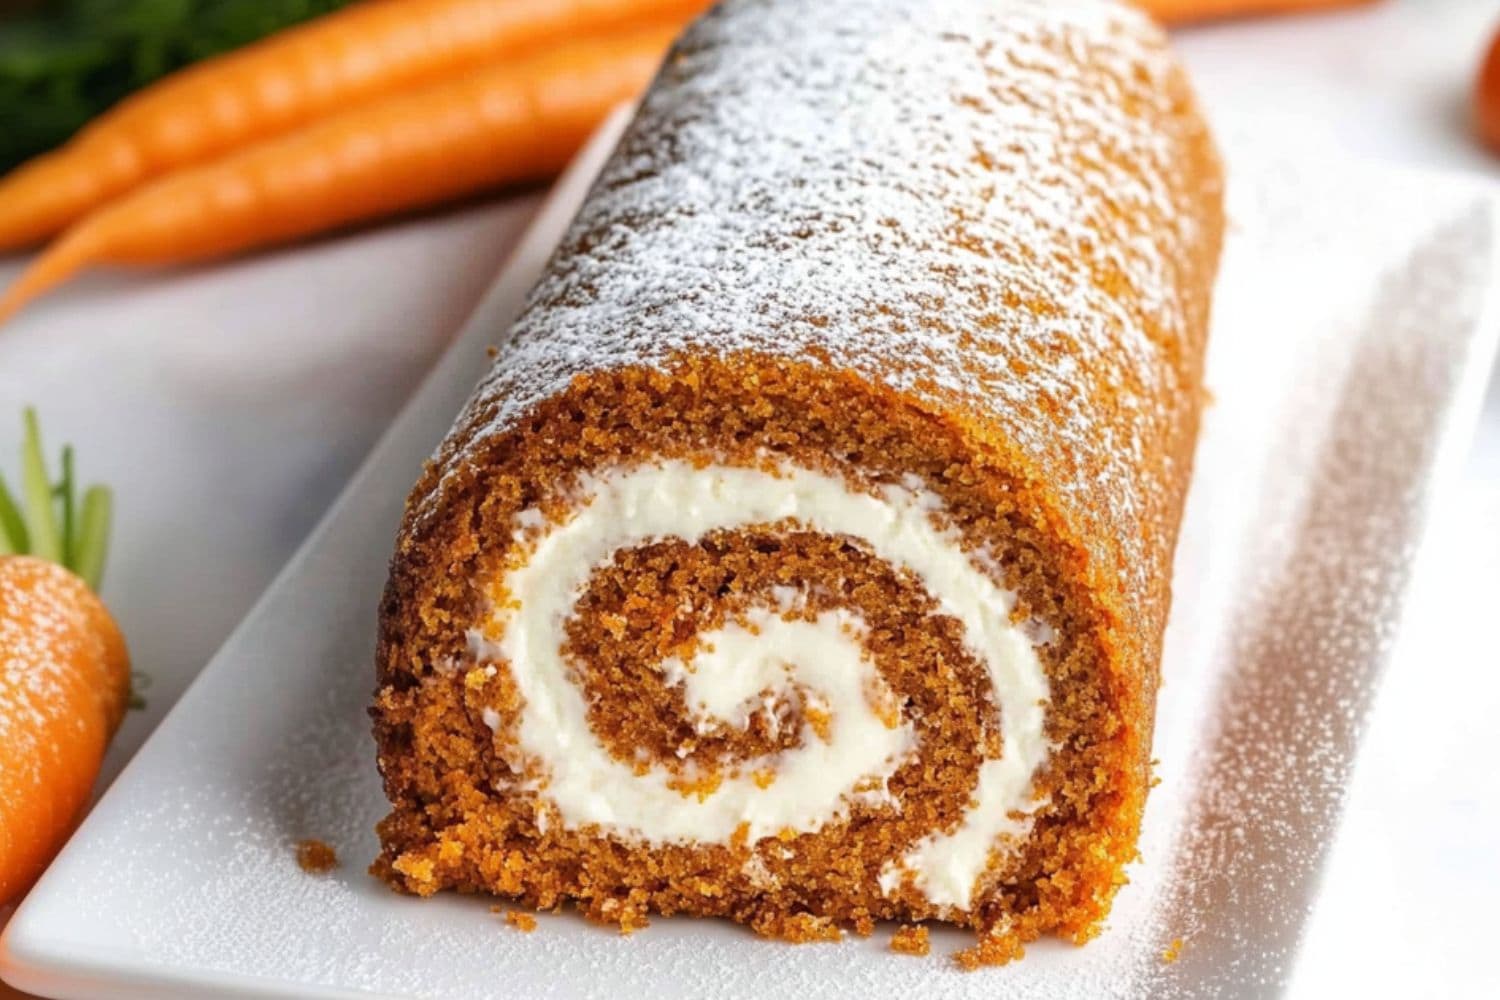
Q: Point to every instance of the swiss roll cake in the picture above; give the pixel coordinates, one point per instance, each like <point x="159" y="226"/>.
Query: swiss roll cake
<point x="804" y="556"/>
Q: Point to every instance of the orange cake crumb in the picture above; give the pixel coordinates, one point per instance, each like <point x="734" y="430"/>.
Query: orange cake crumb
<point x="521" y="920"/>
<point x="911" y="940"/>
<point x="992" y="949"/>
<point x="315" y="857"/>
<point x="699" y="786"/>
<point x="799" y="928"/>
<point x="819" y="719"/>
<point x="1173" y="951"/>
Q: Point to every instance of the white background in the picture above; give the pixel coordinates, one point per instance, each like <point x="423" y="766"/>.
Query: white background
<point x="227" y="405"/>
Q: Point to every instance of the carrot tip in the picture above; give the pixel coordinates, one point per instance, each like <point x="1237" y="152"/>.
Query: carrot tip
<point x="56" y="264"/>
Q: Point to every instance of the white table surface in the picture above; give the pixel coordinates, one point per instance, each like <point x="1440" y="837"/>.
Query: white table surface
<point x="226" y="437"/>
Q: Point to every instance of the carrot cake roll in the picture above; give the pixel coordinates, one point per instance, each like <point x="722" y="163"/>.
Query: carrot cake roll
<point x="804" y="557"/>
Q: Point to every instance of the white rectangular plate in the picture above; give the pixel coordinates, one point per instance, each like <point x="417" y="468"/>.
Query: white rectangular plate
<point x="1354" y="328"/>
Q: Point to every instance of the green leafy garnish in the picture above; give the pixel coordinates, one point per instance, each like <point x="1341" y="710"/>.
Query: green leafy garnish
<point x="63" y="492"/>
<point x="49" y="523"/>
<point x="14" y="537"/>
<point x="41" y="520"/>
<point x="87" y="559"/>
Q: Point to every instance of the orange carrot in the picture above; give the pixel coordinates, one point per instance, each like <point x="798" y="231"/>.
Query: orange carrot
<point x="62" y="694"/>
<point x="1185" y="11"/>
<point x="1486" y="98"/>
<point x="517" y="122"/>
<point x="354" y="55"/>
<point x="64" y="672"/>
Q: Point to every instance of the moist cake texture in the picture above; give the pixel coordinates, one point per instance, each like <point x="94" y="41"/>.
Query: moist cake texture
<point x="804" y="556"/>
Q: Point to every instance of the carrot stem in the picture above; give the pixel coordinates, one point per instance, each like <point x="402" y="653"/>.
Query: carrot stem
<point x="50" y="522"/>
<point x="93" y="535"/>
<point x="41" y="521"/>
<point x="64" y="493"/>
<point x="140" y="683"/>
<point x="13" y="537"/>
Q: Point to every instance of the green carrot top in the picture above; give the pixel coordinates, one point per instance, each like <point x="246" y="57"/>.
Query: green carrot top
<point x="48" y="522"/>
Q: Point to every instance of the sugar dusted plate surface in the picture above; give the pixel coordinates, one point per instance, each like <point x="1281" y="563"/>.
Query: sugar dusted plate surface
<point x="1354" y="328"/>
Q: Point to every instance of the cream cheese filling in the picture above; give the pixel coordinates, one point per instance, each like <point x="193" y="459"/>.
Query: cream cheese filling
<point x="624" y="507"/>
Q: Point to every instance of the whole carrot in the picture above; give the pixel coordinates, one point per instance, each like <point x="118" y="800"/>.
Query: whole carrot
<point x="515" y="122"/>
<point x="1185" y="11"/>
<point x="353" y="55"/>
<point x="64" y="672"/>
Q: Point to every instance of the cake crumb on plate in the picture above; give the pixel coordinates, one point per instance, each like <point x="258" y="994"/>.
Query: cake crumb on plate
<point x="315" y="857"/>
<point x="911" y="940"/>
<point x="521" y="920"/>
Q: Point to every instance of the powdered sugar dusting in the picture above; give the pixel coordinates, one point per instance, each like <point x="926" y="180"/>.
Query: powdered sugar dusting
<point x="1326" y="555"/>
<point x="30" y="633"/>
<point x="983" y="205"/>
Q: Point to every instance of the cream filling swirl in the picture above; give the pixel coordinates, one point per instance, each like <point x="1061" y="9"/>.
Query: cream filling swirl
<point x="622" y="507"/>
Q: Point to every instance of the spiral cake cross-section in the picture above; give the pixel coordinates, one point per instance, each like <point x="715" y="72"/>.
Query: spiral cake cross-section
<point x="804" y="557"/>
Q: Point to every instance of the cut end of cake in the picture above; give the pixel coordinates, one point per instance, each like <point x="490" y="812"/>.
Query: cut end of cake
<point x="777" y="697"/>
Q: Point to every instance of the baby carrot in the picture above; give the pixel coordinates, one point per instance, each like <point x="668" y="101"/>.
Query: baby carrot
<point x="1185" y="11"/>
<point x="64" y="672"/>
<point x="354" y="55"/>
<point x="516" y="122"/>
